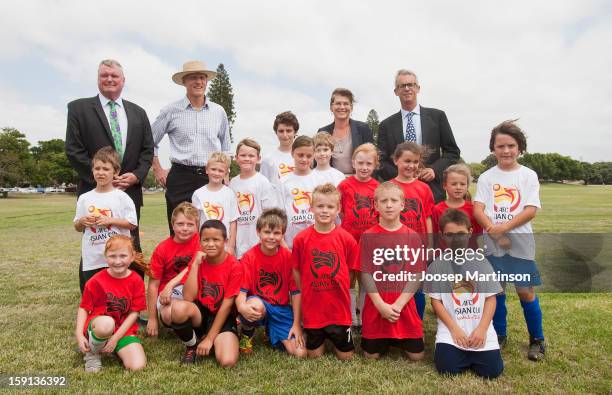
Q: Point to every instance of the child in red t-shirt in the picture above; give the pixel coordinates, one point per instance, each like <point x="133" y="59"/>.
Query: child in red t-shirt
<point x="390" y="317"/>
<point x="357" y="208"/>
<point x="207" y="310"/>
<point x="112" y="298"/>
<point x="324" y="257"/>
<point x="268" y="295"/>
<point x="456" y="181"/>
<point x="169" y="264"/>
<point x="418" y="199"/>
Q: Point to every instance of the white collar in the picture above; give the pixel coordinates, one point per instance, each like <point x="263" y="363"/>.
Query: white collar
<point x="104" y="100"/>
<point x="416" y="111"/>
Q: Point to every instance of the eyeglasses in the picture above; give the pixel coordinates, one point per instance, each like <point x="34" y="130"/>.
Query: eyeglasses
<point x="410" y="85"/>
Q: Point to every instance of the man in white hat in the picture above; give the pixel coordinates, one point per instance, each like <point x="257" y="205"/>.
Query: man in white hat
<point x="196" y="127"/>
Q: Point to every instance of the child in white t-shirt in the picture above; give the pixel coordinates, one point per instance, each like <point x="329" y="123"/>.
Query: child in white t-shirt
<point x="102" y="213"/>
<point x="324" y="147"/>
<point x="295" y="194"/>
<point x="254" y="193"/>
<point x="216" y="201"/>
<point x="464" y="304"/>
<point x="279" y="164"/>
<point x="507" y="200"/>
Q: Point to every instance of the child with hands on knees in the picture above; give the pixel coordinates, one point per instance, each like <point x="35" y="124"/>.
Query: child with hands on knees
<point x="111" y="301"/>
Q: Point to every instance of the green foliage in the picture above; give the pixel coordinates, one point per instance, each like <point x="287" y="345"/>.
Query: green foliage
<point x="373" y="122"/>
<point x="150" y="181"/>
<point x="489" y="162"/>
<point x="51" y="166"/>
<point x="220" y="91"/>
<point x="476" y="169"/>
<point x="15" y="157"/>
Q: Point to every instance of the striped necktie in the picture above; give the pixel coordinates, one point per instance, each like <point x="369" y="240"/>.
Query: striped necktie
<point x="115" y="128"/>
<point x="410" y="131"/>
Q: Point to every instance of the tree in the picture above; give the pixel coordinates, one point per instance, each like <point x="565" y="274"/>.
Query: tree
<point x="373" y="122"/>
<point x="476" y="169"/>
<point x="51" y="166"/>
<point x="15" y="157"/>
<point x="489" y="162"/>
<point x="220" y="92"/>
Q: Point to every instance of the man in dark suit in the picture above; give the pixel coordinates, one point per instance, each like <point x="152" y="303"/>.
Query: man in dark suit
<point x="425" y="126"/>
<point x="89" y="129"/>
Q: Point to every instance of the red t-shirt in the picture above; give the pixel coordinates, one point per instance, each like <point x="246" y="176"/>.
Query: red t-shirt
<point x="418" y="204"/>
<point x="409" y="325"/>
<point x="170" y="258"/>
<point x="217" y="281"/>
<point x="468" y="208"/>
<point x="269" y="277"/>
<point x="114" y="297"/>
<point x="357" y="205"/>
<point x="324" y="261"/>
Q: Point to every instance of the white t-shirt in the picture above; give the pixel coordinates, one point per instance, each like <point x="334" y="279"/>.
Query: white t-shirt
<point x="463" y="301"/>
<point x="276" y="166"/>
<point x="253" y="195"/>
<point x="115" y="204"/>
<point x="505" y="194"/>
<point x="332" y="175"/>
<point x="219" y="205"/>
<point x="295" y="198"/>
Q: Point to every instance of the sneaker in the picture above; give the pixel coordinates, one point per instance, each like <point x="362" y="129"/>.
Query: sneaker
<point x="190" y="356"/>
<point x="93" y="362"/>
<point x="537" y="349"/>
<point x="246" y="344"/>
<point x="502" y="340"/>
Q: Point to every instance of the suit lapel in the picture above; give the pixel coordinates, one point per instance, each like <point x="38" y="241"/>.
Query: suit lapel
<point x="398" y="128"/>
<point x="129" y="115"/>
<point x="425" y="126"/>
<point x="97" y="107"/>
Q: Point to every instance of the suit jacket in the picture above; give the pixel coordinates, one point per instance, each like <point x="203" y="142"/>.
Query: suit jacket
<point x="437" y="136"/>
<point x="88" y="130"/>
<point x="360" y="133"/>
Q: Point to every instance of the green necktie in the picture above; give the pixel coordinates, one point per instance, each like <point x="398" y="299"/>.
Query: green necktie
<point x="115" y="128"/>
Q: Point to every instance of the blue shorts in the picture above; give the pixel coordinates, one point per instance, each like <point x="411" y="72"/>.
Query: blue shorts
<point x="278" y="321"/>
<point x="518" y="268"/>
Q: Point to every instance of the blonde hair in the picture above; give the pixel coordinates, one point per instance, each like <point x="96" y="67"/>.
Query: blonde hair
<point x="111" y="63"/>
<point x="460" y="169"/>
<point x="327" y="189"/>
<point x="221" y="158"/>
<point x="189" y="211"/>
<point x="272" y="218"/>
<point x="302" y="141"/>
<point x="248" y="142"/>
<point x="368" y="148"/>
<point x="324" y="138"/>
<point x="118" y="241"/>
<point x="388" y="186"/>
<point x="108" y="155"/>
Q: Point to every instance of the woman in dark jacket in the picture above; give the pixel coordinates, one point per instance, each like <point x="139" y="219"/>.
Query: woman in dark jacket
<point x="348" y="133"/>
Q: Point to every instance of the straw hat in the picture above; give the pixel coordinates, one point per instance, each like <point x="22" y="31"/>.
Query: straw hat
<point x="191" y="67"/>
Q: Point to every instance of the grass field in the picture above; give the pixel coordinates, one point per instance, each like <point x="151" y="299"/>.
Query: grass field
<point x="39" y="295"/>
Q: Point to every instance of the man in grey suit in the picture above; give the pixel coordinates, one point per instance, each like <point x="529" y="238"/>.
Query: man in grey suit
<point x="425" y="126"/>
<point x="89" y="129"/>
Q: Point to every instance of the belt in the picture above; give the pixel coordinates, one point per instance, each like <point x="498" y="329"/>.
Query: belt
<point x="200" y="170"/>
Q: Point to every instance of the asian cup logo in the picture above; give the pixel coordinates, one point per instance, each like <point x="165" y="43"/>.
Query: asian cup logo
<point x="324" y="264"/>
<point x="506" y="197"/>
<point x="99" y="212"/>
<point x="301" y="200"/>
<point x="213" y="211"/>
<point x="284" y="169"/>
<point x="246" y="202"/>
<point x="464" y="292"/>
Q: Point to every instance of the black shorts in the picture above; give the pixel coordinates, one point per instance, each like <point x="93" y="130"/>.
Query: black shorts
<point x="381" y="346"/>
<point x="340" y="336"/>
<point x="208" y="318"/>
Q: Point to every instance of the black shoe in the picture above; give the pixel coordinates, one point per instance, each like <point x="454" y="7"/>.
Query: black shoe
<point x="537" y="349"/>
<point x="502" y="340"/>
<point x="190" y="356"/>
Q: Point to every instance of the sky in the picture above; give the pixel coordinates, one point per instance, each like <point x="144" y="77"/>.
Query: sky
<point x="482" y="62"/>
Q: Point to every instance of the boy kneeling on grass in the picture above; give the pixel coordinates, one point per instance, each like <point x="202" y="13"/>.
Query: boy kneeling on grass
<point x="465" y="338"/>
<point x="268" y="287"/>
<point x="205" y="320"/>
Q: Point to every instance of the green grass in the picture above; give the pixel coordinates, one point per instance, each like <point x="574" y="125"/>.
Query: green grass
<point x="39" y="295"/>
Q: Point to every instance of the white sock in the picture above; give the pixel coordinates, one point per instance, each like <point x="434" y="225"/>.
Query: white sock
<point x="192" y="342"/>
<point x="353" y="293"/>
<point x="95" y="345"/>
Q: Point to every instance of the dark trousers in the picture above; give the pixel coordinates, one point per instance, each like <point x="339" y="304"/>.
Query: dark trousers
<point x="84" y="276"/>
<point x="181" y="183"/>
<point x="452" y="360"/>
